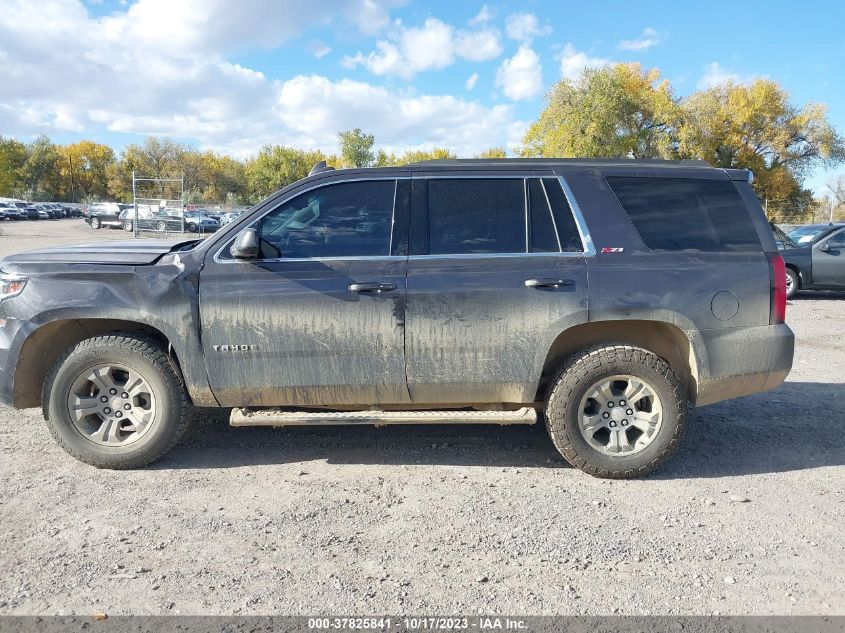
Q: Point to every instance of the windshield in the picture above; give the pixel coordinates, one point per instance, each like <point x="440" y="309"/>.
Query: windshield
<point x="808" y="234"/>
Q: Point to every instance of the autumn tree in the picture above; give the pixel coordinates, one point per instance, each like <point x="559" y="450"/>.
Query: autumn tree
<point x="277" y="166"/>
<point x="615" y="112"/>
<point x="83" y="170"/>
<point x="356" y="148"/>
<point x="754" y="126"/>
<point x="493" y="152"/>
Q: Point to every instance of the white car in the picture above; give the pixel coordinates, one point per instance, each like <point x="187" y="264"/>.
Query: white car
<point x="226" y="218"/>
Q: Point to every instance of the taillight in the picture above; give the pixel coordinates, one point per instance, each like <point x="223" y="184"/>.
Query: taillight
<point x="778" y="273"/>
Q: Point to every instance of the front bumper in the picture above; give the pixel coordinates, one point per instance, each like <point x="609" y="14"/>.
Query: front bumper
<point x="12" y="335"/>
<point x="744" y="361"/>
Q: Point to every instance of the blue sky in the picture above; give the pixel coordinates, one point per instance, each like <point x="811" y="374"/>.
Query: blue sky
<point x="466" y="75"/>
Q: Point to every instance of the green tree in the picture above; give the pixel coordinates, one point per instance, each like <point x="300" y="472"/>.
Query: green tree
<point x="416" y="156"/>
<point x="493" y="152"/>
<point x="614" y="112"/>
<point x="13" y="155"/>
<point x="40" y="172"/>
<point x="356" y="148"/>
<point x="277" y="166"/>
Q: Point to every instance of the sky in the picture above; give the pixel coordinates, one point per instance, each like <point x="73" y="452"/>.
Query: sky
<point x="467" y="75"/>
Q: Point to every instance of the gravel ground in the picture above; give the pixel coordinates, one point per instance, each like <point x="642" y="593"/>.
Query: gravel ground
<point x="747" y="518"/>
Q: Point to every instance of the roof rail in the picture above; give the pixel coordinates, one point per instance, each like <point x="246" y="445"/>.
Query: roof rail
<point x="691" y="162"/>
<point x="319" y="168"/>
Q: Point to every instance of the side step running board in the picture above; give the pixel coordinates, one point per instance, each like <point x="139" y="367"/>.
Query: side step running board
<point x="276" y="417"/>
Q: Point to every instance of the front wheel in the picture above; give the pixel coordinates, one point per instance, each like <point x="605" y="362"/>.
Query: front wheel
<point x="616" y="411"/>
<point x="95" y="223"/>
<point x="793" y="283"/>
<point x="116" y="401"/>
<point x="192" y="228"/>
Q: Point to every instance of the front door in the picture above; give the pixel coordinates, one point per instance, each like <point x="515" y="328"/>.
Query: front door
<point x="493" y="279"/>
<point x="318" y="317"/>
<point x="829" y="264"/>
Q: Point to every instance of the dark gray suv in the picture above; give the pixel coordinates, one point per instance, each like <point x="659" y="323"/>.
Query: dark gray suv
<point x="598" y="296"/>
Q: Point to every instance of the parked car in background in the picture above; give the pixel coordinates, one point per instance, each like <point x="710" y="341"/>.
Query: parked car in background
<point x="106" y="214"/>
<point x="162" y="220"/>
<point x="198" y="222"/>
<point x="817" y="261"/>
<point x="8" y="212"/>
<point x="229" y="217"/>
<point x="33" y="212"/>
<point x="782" y="239"/>
<point x="21" y="208"/>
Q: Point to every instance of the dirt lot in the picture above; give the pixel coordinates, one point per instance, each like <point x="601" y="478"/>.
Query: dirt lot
<point x="747" y="518"/>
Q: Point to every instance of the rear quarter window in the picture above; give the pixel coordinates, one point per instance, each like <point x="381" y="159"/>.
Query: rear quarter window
<point x="686" y="214"/>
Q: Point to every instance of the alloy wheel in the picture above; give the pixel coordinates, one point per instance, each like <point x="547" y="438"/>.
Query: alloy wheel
<point x="620" y="415"/>
<point x="111" y="405"/>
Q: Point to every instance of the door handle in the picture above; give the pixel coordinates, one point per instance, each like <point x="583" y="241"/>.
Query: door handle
<point x="372" y="286"/>
<point x="548" y="282"/>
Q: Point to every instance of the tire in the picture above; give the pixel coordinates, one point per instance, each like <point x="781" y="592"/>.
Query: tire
<point x="569" y="402"/>
<point x="793" y="283"/>
<point x="162" y="227"/>
<point x="95" y="223"/>
<point x="192" y="228"/>
<point x="127" y="225"/>
<point x="167" y="412"/>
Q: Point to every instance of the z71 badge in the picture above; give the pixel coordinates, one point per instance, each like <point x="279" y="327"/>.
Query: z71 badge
<point x="613" y="249"/>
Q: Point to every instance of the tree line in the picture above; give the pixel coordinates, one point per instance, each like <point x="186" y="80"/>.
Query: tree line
<point x="620" y="111"/>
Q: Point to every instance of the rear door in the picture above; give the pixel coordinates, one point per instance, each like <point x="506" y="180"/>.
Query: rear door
<point x="829" y="260"/>
<point x="318" y="318"/>
<point x="493" y="278"/>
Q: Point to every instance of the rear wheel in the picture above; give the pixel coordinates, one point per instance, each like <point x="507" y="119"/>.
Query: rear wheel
<point x="793" y="283"/>
<point x="192" y="228"/>
<point x="116" y="401"/>
<point x="616" y="411"/>
<point x="127" y="225"/>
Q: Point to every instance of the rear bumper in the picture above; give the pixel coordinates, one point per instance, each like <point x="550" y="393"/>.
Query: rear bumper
<point x="744" y="361"/>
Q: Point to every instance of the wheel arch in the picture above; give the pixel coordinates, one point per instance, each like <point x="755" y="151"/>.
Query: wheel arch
<point x="666" y="340"/>
<point x="45" y="346"/>
<point x="797" y="270"/>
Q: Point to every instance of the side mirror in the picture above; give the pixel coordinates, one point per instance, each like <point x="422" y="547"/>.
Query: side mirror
<point x="246" y="244"/>
<point x="825" y="248"/>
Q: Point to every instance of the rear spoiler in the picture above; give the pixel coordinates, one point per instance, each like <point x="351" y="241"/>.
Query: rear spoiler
<point x="744" y="175"/>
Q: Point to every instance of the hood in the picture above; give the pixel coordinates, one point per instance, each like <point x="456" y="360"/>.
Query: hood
<point x="135" y="252"/>
<point x="797" y="251"/>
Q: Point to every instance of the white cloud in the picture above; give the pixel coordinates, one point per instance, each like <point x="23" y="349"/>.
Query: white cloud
<point x="524" y="27"/>
<point x="574" y="62"/>
<point x="313" y="108"/>
<point x="482" y="17"/>
<point x="649" y="37"/>
<point x="51" y="79"/>
<point x="318" y="49"/>
<point x="434" y="45"/>
<point x="715" y="74"/>
<point x="471" y="81"/>
<point x="521" y="76"/>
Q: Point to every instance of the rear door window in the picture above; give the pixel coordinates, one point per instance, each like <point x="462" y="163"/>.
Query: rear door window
<point x="476" y="215"/>
<point x="687" y="214"/>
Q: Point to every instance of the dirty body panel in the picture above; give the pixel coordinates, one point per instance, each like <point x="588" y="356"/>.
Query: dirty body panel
<point x="458" y="328"/>
<point x="715" y="298"/>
